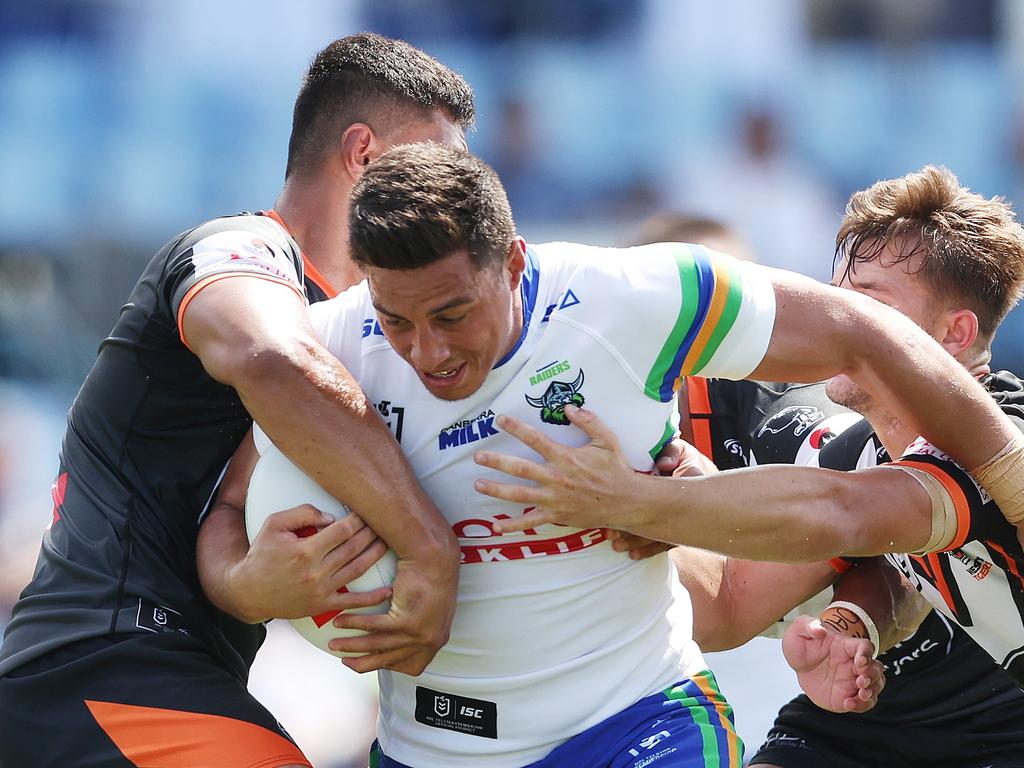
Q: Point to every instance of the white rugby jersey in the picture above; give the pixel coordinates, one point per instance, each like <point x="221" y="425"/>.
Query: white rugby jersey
<point x="554" y="631"/>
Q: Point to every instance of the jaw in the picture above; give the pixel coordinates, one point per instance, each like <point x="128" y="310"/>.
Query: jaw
<point x="446" y="387"/>
<point x="841" y="390"/>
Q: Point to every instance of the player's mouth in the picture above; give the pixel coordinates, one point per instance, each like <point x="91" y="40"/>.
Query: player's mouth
<point x="445" y="378"/>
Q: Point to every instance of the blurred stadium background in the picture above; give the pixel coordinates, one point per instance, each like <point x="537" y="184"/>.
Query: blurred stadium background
<point x="122" y="123"/>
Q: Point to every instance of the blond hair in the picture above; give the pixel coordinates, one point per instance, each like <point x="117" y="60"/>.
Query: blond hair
<point x="972" y="246"/>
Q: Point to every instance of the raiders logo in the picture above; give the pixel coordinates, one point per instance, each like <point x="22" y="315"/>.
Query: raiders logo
<point x="558" y="394"/>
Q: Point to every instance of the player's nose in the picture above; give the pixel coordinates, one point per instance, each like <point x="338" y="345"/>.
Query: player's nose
<point x="429" y="351"/>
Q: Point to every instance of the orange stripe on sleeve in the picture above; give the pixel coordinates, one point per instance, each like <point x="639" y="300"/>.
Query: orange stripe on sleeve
<point x="960" y="503"/>
<point x="207" y="281"/>
<point x="714" y="314"/>
<point x="165" y="738"/>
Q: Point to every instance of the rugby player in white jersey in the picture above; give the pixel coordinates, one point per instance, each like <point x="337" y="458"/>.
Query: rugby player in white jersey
<point x="564" y="651"/>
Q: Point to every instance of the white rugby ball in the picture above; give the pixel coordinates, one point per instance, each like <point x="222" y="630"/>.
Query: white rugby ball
<point x="276" y="485"/>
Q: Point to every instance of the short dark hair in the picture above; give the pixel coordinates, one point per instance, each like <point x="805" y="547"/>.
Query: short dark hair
<point x="364" y="78"/>
<point x="419" y="203"/>
<point x="972" y="247"/>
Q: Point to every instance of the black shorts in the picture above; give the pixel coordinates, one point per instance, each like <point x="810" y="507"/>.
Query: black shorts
<point x="805" y="736"/>
<point x="153" y="700"/>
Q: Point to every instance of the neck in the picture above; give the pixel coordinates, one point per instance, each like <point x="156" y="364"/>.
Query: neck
<point x="892" y="433"/>
<point x="517" y="321"/>
<point x="895" y="436"/>
<point x="315" y="211"/>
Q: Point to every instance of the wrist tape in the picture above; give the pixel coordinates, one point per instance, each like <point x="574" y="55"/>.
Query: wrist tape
<point x="1003" y="477"/>
<point x="851" y="620"/>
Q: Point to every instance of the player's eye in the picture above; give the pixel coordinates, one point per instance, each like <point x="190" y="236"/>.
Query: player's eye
<point x="451" y="319"/>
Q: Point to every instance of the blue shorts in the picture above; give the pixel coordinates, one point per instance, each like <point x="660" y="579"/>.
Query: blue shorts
<point x="689" y="725"/>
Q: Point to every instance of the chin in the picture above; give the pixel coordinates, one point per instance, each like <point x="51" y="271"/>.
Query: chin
<point x="841" y="390"/>
<point x="450" y="395"/>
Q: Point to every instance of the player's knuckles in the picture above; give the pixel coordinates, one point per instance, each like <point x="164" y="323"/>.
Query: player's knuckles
<point x="359" y="565"/>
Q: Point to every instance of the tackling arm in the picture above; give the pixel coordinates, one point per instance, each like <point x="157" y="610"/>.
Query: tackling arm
<point x="888" y="597"/>
<point x="821" y="331"/>
<point x="282" y="574"/>
<point x="779" y="513"/>
<point x="735" y="600"/>
<point x="255" y="336"/>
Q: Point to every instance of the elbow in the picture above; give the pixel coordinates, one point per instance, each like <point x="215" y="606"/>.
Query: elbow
<point x="848" y="521"/>
<point x="718" y="636"/>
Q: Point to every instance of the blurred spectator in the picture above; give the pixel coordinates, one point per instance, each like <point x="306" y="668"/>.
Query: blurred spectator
<point x="32" y="426"/>
<point x="789" y="214"/>
<point x="533" y="191"/>
<point x="670" y="227"/>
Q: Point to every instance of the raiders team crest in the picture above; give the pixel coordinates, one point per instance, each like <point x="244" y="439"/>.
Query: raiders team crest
<point x="558" y="394"/>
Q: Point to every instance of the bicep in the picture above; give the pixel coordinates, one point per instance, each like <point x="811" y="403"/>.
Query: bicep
<point x="744" y="597"/>
<point x="813" y="330"/>
<point x="237" y="317"/>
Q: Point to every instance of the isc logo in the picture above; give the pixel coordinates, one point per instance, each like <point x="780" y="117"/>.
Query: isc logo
<point x="471" y="712"/>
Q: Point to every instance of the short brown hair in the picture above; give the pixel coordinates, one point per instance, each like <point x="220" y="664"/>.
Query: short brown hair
<point x="418" y="203"/>
<point x="367" y="78"/>
<point x="972" y="246"/>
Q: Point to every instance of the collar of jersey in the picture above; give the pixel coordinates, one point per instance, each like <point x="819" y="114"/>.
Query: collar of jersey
<point x="528" y="288"/>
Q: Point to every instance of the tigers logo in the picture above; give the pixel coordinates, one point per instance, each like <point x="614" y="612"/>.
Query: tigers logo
<point x="798" y="418"/>
<point x="558" y="395"/>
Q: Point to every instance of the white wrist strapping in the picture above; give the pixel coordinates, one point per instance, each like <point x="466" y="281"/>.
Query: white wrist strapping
<point x="1003" y="477"/>
<point x="837" y="618"/>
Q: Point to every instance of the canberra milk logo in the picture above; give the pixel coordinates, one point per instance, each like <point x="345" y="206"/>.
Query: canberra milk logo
<point x="558" y="394"/>
<point x="467" y="431"/>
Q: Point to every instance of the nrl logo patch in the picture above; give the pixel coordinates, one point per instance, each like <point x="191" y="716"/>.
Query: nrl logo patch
<point x="558" y="394"/>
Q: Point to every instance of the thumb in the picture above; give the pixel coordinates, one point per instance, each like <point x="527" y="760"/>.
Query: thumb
<point x="304" y="516"/>
<point x="598" y="432"/>
<point x="801" y="643"/>
<point x="669" y="458"/>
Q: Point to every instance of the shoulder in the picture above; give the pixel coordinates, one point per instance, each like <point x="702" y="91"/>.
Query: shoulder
<point x="345" y="319"/>
<point x="243" y="243"/>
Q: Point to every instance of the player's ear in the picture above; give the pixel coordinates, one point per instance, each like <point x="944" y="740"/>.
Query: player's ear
<point x="515" y="262"/>
<point x="961" y="331"/>
<point x="358" y="146"/>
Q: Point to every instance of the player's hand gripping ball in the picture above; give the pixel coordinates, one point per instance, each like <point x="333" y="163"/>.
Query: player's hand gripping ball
<point x="277" y="484"/>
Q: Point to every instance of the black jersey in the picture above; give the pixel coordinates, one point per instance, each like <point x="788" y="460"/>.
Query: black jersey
<point x="747" y="423"/>
<point x="939" y="657"/>
<point x="750" y="423"/>
<point x="148" y="437"/>
<point x="977" y="579"/>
